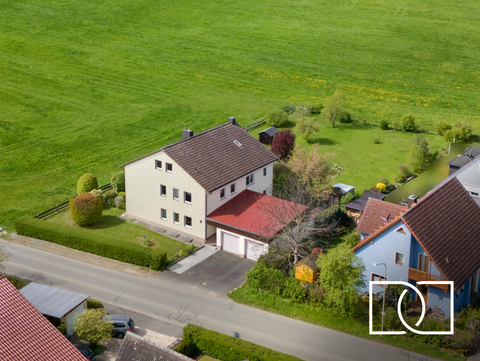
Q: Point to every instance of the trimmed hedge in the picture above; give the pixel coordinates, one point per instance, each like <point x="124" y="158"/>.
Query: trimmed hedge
<point x="94" y="304"/>
<point x="83" y="240"/>
<point x="86" y="209"/>
<point x="227" y="348"/>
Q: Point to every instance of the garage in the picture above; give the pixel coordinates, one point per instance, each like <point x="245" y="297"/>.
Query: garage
<point x="253" y="250"/>
<point x="230" y="243"/>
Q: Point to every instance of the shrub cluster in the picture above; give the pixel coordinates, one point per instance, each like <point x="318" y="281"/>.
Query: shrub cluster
<point x="224" y="347"/>
<point x="383" y="125"/>
<point x="94" y="304"/>
<point x="118" y="181"/>
<point x="84" y="240"/>
<point x="403" y="173"/>
<point x="278" y="119"/>
<point x="119" y="202"/>
<point x="381" y="187"/>
<point x="408" y="123"/>
<point x="86" y="209"/>
<point x="86" y="183"/>
<point x="264" y="278"/>
<point x="345" y="118"/>
<point x="333" y="215"/>
<point x="158" y="261"/>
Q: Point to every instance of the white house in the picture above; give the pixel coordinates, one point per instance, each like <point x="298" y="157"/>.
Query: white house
<point x="178" y="186"/>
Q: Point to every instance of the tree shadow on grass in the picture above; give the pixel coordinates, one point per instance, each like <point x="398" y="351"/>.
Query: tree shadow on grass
<point x="323" y="141"/>
<point x="107" y="222"/>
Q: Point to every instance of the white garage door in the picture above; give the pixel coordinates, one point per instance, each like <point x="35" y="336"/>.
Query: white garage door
<point x="253" y="250"/>
<point x="230" y="243"/>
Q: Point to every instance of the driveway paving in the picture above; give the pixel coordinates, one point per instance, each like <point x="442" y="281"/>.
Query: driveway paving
<point x="192" y="260"/>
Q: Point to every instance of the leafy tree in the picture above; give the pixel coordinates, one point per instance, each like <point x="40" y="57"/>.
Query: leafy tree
<point x="91" y="325"/>
<point x="341" y="274"/>
<point x="461" y="132"/>
<point x="420" y="156"/>
<point x="442" y="127"/>
<point x="408" y="123"/>
<point x="118" y="181"/>
<point x="283" y="144"/>
<point x="403" y="172"/>
<point x="278" y="119"/>
<point x="334" y="107"/>
<point x="306" y="126"/>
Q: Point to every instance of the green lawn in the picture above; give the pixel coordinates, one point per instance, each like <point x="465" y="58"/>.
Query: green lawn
<point x="88" y="86"/>
<point x="269" y="302"/>
<point x="112" y="226"/>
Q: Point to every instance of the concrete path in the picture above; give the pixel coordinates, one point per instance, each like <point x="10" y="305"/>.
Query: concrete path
<point x="192" y="260"/>
<point x="181" y="304"/>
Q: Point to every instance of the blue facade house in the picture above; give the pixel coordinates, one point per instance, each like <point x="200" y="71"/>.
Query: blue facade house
<point x="436" y="239"/>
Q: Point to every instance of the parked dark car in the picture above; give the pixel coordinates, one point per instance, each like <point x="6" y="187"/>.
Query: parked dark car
<point x="85" y="350"/>
<point x="121" y="324"/>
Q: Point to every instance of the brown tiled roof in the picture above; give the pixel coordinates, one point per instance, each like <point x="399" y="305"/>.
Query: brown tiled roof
<point x="214" y="159"/>
<point x="25" y="334"/>
<point x="446" y="222"/>
<point x="137" y="348"/>
<point x="376" y="214"/>
<point x="379" y="231"/>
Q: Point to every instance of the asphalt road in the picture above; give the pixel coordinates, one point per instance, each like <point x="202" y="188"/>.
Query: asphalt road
<point x="178" y="304"/>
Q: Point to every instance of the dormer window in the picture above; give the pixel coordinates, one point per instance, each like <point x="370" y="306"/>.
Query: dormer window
<point x="169" y="167"/>
<point x="249" y="180"/>
<point x="400" y="230"/>
<point x="474" y="194"/>
<point x="158" y="164"/>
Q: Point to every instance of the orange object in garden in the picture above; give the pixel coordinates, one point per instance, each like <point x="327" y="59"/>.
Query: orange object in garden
<point x="306" y="270"/>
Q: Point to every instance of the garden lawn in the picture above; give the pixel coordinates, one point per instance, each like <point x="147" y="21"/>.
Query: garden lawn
<point x="89" y="85"/>
<point x="272" y="303"/>
<point x="112" y="226"/>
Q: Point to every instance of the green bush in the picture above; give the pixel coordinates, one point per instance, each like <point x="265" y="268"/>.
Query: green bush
<point x="86" y="183"/>
<point x="317" y="108"/>
<point x="268" y="279"/>
<point x="345" y="117"/>
<point x="461" y="133"/>
<point x="228" y="348"/>
<point x="278" y="119"/>
<point x="383" y="125"/>
<point x="110" y="194"/>
<point x="94" y="304"/>
<point x="62" y="330"/>
<point x="442" y="126"/>
<point x="397" y="126"/>
<point x="86" y="209"/>
<point x="187" y="347"/>
<point x="118" y="181"/>
<point x="408" y="123"/>
<point x="121" y="194"/>
<point x="333" y="216"/>
<point x="403" y="173"/>
<point x="98" y="193"/>
<point x="158" y="261"/>
<point x="84" y="240"/>
<point x="292" y="289"/>
<point x="384" y="181"/>
<point x="119" y="202"/>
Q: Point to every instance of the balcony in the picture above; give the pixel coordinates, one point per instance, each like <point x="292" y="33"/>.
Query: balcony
<point x="417" y="275"/>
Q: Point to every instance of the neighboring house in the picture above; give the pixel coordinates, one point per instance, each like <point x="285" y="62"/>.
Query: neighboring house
<point x="26" y="334"/>
<point x="468" y="175"/>
<point x="355" y="208"/>
<point x="376" y="214"/>
<point x="59" y="306"/>
<point x="246" y="224"/>
<point x="137" y="348"/>
<point x="266" y="136"/>
<point x="436" y="239"/>
<point x="178" y="186"/>
<point x="466" y="157"/>
<point x="339" y="190"/>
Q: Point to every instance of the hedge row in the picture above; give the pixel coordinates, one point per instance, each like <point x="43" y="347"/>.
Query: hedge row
<point x="84" y="240"/>
<point x="226" y="348"/>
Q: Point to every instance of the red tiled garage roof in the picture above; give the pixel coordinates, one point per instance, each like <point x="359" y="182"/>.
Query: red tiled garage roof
<point x="249" y="212"/>
<point x="25" y="334"/>
<point x="377" y="213"/>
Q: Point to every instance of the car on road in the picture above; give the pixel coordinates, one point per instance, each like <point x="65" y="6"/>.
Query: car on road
<point x="85" y="350"/>
<point x="121" y="324"/>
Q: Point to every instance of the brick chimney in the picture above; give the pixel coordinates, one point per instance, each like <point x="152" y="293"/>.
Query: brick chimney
<point x="411" y="200"/>
<point x="187" y="133"/>
<point x="231" y="120"/>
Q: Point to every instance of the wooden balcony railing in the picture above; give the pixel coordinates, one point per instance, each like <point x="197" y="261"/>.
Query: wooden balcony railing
<point x="417" y="275"/>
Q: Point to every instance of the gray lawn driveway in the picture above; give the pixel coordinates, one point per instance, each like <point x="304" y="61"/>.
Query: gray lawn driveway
<point x="218" y="274"/>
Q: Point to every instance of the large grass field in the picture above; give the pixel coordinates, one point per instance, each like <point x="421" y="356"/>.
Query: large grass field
<point x="88" y="85"/>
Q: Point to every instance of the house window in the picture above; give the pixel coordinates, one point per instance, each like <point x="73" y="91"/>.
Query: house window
<point x="188" y="222"/>
<point x="164" y="214"/>
<point x="249" y="179"/>
<point x="233" y="188"/>
<point x="222" y="193"/>
<point x="176" y="218"/>
<point x="175" y="194"/>
<point x="400" y="230"/>
<point x="187" y="197"/>
<point x="163" y="190"/>
<point x="158" y="164"/>
<point x="399" y="258"/>
<point x="169" y="167"/>
<point x="474" y="194"/>
<point x="377" y="277"/>
<point x="264" y="171"/>
<point x="265" y="191"/>
<point x="423" y="263"/>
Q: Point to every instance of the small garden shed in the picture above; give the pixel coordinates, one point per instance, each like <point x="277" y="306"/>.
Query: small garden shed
<point x="306" y="270"/>
<point x="266" y="136"/>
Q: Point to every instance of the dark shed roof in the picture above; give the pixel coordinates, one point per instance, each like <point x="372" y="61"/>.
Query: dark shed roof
<point x="137" y="348"/>
<point x="471" y="152"/>
<point x="360" y="203"/>
<point x="459" y="161"/>
<point x="270" y="131"/>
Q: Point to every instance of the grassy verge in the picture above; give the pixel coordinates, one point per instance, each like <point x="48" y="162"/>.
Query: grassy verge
<point x="265" y="301"/>
<point x="113" y="227"/>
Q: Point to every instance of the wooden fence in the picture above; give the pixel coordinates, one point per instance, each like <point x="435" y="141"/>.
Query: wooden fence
<point x="255" y="125"/>
<point x="62" y="206"/>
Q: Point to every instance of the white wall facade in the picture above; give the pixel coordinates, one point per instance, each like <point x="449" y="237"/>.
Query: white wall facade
<point x="143" y="199"/>
<point x="242" y="243"/>
<point x="67" y="320"/>
<point x="260" y="184"/>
